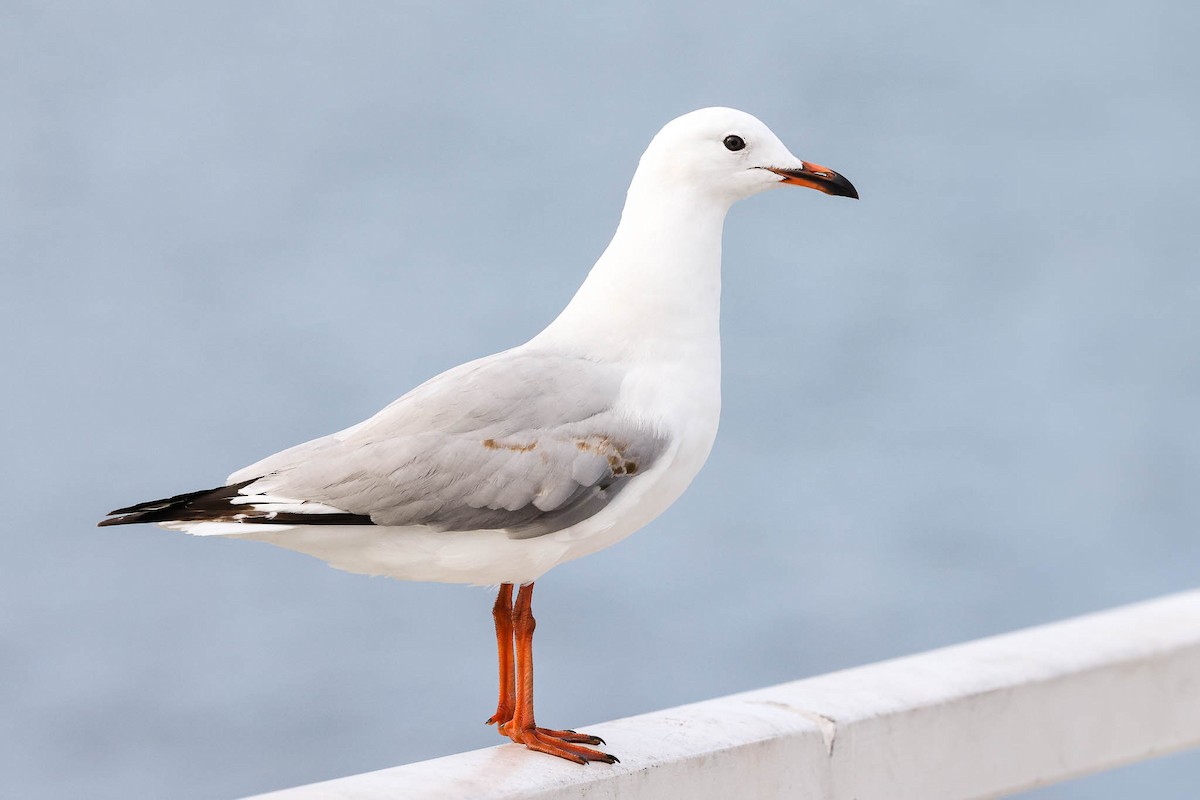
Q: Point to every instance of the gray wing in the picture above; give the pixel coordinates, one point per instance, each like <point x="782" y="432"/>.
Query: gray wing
<point x="522" y="441"/>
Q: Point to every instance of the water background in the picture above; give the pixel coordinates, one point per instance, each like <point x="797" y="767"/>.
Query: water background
<point x="962" y="405"/>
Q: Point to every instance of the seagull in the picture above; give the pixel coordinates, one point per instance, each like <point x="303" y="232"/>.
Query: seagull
<point x="497" y="470"/>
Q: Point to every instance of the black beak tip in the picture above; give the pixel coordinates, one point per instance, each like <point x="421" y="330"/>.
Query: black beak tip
<point x="843" y="188"/>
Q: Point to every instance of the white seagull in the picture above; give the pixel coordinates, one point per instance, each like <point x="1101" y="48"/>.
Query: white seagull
<point x="499" y="469"/>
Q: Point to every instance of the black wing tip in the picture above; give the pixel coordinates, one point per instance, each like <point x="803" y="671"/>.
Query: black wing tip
<point x="213" y="505"/>
<point x="150" y="505"/>
<point x="124" y="519"/>
<point x="177" y="507"/>
<point x="131" y="514"/>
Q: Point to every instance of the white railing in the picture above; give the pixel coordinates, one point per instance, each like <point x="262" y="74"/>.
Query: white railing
<point x="977" y="720"/>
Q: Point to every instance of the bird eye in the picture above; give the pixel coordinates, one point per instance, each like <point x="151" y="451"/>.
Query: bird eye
<point x="734" y="143"/>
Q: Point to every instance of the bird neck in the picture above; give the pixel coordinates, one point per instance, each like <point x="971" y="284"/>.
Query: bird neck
<point x="655" y="293"/>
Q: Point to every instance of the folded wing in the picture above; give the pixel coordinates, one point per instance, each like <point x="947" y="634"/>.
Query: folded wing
<point x="525" y="442"/>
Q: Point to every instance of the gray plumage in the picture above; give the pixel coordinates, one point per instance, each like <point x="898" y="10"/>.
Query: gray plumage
<point x="523" y="441"/>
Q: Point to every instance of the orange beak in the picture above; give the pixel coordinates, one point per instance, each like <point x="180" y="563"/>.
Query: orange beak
<point x="814" y="176"/>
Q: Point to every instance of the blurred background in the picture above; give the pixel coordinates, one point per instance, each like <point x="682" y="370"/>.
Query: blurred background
<point x="962" y="405"/>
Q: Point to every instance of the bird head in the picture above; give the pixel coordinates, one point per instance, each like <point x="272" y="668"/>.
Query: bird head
<point x="732" y="154"/>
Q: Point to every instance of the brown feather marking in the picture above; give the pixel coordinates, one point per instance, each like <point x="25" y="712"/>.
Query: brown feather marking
<point x="614" y="452"/>
<point x="492" y="444"/>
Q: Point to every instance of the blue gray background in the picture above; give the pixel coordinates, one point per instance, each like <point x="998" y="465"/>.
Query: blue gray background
<point x="963" y="405"/>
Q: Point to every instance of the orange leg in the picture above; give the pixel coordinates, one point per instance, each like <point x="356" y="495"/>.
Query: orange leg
<point x="502" y="614"/>
<point x="516" y="697"/>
